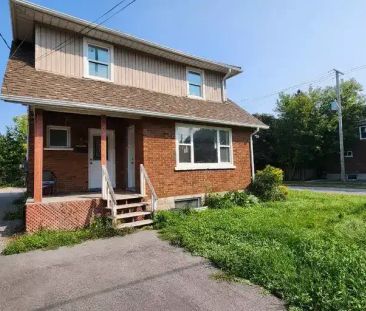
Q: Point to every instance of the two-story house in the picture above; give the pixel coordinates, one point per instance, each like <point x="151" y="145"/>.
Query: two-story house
<point x="354" y="158"/>
<point x="120" y="124"/>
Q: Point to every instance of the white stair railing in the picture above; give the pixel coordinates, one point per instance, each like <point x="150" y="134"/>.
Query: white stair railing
<point x="144" y="179"/>
<point x="108" y="192"/>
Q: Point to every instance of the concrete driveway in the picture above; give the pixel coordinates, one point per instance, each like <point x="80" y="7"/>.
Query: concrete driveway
<point x="135" y="272"/>
<point x="355" y="191"/>
<point x="8" y="227"/>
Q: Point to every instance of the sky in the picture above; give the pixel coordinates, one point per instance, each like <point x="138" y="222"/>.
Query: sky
<point x="278" y="43"/>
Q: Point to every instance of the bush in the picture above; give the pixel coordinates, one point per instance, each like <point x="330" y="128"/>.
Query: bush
<point x="267" y="184"/>
<point x="230" y="199"/>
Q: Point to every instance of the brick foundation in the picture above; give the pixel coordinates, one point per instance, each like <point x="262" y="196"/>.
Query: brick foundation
<point x="61" y="215"/>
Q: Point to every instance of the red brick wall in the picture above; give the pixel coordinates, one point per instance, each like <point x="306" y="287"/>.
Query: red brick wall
<point x="61" y="215"/>
<point x="355" y="165"/>
<point x="71" y="167"/>
<point x="154" y="147"/>
<point x="160" y="160"/>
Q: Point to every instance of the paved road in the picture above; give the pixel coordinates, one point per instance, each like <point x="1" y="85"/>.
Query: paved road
<point x="135" y="272"/>
<point x="331" y="190"/>
<point x="7" y="228"/>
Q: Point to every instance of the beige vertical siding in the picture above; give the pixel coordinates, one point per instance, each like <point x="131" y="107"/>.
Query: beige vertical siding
<point x="131" y="67"/>
<point x="54" y="56"/>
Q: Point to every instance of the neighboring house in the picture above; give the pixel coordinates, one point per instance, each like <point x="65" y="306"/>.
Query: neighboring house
<point x="156" y="120"/>
<point x="354" y="158"/>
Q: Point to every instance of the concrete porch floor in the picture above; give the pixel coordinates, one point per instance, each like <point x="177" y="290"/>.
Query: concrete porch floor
<point x="80" y="196"/>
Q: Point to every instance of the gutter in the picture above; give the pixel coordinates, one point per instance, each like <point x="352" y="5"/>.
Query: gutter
<point x="99" y="108"/>
<point x="223" y="85"/>
<point x="252" y="153"/>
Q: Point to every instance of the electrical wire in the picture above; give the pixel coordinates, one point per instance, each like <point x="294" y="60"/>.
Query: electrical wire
<point x="6" y="43"/>
<point x="69" y="41"/>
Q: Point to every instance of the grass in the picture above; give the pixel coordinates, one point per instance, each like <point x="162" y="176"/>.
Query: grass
<point x="309" y="250"/>
<point x="47" y="239"/>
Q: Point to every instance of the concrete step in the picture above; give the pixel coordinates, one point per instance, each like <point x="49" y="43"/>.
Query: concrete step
<point x="135" y="224"/>
<point x="129" y="215"/>
<point x="130" y="205"/>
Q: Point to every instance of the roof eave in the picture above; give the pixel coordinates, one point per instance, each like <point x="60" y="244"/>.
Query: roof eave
<point x="49" y="103"/>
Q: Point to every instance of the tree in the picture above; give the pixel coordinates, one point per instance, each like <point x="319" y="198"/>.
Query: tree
<point x="265" y="143"/>
<point x="304" y="134"/>
<point x="13" y="148"/>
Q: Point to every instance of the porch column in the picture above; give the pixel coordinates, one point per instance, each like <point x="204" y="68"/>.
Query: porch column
<point x="103" y="143"/>
<point x="38" y="155"/>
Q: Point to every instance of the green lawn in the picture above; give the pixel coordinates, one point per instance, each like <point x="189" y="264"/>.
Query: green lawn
<point x="309" y="250"/>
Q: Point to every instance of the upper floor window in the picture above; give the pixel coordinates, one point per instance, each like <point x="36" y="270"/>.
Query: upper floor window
<point x="98" y="60"/>
<point x="195" y="83"/>
<point x="363" y="132"/>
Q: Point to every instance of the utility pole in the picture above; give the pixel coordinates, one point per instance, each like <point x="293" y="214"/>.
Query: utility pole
<point x="340" y="122"/>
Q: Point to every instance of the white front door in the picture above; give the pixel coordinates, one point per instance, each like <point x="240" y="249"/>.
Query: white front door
<point x="95" y="169"/>
<point x="131" y="157"/>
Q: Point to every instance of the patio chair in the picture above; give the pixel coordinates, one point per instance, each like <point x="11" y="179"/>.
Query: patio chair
<point x="49" y="183"/>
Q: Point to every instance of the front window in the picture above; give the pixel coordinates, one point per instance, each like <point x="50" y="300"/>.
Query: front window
<point x="203" y="147"/>
<point x="195" y="83"/>
<point x="363" y="132"/>
<point x="58" y="137"/>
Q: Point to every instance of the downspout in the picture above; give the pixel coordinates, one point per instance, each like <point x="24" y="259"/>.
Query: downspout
<point x="252" y="153"/>
<point x="223" y="85"/>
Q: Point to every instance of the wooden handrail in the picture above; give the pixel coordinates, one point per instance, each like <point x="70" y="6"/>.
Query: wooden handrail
<point x="144" y="179"/>
<point x="108" y="192"/>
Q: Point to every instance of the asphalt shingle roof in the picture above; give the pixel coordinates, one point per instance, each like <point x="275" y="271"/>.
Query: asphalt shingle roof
<point x="22" y="79"/>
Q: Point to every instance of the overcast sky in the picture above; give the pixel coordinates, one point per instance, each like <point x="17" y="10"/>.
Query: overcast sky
<point x="278" y="43"/>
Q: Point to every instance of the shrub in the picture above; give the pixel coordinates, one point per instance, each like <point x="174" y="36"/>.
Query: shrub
<point x="268" y="184"/>
<point x="230" y="199"/>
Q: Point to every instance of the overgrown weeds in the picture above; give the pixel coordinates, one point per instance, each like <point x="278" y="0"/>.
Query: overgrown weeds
<point x="52" y="239"/>
<point x="309" y="250"/>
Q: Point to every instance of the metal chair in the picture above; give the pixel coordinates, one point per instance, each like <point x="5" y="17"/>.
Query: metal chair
<point x="49" y="183"/>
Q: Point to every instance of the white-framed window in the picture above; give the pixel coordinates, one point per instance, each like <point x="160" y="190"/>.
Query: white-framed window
<point x="203" y="147"/>
<point x="348" y="154"/>
<point x="188" y="203"/>
<point x="98" y="60"/>
<point x="195" y="83"/>
<point x="363" y="132"/>
<point x="58" y="137"/>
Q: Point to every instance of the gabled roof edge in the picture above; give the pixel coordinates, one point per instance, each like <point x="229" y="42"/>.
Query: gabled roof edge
<point x="102" y="108"/>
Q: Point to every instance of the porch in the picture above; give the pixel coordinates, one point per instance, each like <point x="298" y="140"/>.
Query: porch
<point x="82" y="196"/>
<point x="93" y="171"/>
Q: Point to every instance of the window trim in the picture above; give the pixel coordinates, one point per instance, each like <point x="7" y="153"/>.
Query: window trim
<point x="68" y="137"/>
<point x="109" y="47"/>
<point x="348" y="154"/>
<point x="202" y="74"/>
<point x="191" y="198"/>
<point x="361" y="126"/>
<point x="203" y="166"/>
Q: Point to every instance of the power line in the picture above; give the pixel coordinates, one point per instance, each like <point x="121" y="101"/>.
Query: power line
<point x="322" y="78"/>
<point x="69" y="41"/>
<point x="6" y="43"/>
